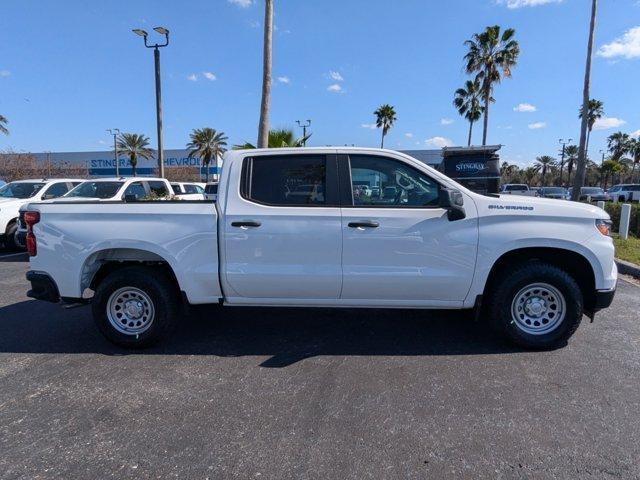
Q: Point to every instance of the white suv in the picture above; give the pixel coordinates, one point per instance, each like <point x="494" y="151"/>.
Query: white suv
<point x="625" y="192"/>
<point x="15" y="194"/>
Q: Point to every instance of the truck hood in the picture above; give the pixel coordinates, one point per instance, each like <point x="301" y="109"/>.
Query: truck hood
<point x="545" y="206"/>
<point x="6" y="202"/>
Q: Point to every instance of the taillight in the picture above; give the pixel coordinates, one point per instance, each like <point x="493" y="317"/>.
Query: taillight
<point x="31" y="218"/>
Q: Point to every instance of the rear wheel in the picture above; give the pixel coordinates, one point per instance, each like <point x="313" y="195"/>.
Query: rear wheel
<point x="135" y="307"/>
<point x="536" y="306"/>
<point x="10" y="237"/>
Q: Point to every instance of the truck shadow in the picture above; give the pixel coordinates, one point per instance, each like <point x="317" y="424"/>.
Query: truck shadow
<point x="286" y="335"/>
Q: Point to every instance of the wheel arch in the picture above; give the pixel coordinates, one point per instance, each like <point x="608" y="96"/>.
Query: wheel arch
<point x="103" y="262"/>
<point x="574" y="263"/>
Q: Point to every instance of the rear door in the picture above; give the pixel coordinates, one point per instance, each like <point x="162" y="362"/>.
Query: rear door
<point x="399" y="247"/>
<point x="282" y="230"/>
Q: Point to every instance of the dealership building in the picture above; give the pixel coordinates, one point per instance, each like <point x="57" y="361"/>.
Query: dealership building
<point x="475" y="167"/>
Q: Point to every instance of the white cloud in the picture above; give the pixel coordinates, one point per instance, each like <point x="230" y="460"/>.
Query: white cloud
<point x="209" y="76"/>
<point x="446" y="121"/>
<point x="537" y="125"/>
<point x="635" y="134"/>
<point x="284" y="80"/>
<point x="626" y="46"/>
<point x="605" y="123"/>
<point x="408" y="135"/>
<point x="334" y="88"/>
<point x="335" y="76"/>
<point x="439" y="142"/>
<point x="524" y="107"/>
<point x="193" y="77"/>
<point x="525" y="3"/>
<point x="371" y="126"/>
<point x="4" y="73"/>
<point x="241" y="3"/>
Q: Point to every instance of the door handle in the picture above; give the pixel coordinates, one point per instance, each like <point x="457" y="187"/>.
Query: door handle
<point x="364" y="224"/>
<point x="246" y="223"/>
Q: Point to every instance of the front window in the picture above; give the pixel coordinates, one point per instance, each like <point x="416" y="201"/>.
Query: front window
<point x="20" y="189"/>
<point x="102" y="190"/>
<point x="592" y="191"/>
<point x="385" y="182"/>
<point x="176" y="188"/>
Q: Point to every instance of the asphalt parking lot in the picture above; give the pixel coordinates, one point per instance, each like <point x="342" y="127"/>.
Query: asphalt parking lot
<point x="314" y="393"/>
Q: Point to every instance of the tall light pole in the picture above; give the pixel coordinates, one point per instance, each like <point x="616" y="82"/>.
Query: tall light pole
<point x="115" y="132"/>
<point x="564" y="144"/>
<point x="304" y="130"/>
<point x="156" y="56"/>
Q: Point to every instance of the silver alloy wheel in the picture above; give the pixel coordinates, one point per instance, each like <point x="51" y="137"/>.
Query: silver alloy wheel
<point x="538" y="308"/>
<point x="130" y="311"/>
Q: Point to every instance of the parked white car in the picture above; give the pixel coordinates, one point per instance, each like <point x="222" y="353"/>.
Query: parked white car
<point x="530" y="266"/>
<point x="211" y="191"/>
<point x="15" y="194"/>
<point x="625" y="192"/>
<point x="188" y="190"/>
<point x="104" y="190"/>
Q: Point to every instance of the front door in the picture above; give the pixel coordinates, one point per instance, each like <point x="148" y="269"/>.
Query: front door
<point x="399" y="246"/>
<point x="283" y="238"/>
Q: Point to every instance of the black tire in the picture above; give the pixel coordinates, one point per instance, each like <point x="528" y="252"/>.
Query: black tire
<point x="622" y="199"/>
<point x="157" y="286"/>
<point x="10" y="237"/>
<point x="508" y="286"/>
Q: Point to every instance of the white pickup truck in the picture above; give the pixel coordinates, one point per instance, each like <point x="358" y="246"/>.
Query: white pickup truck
<point x="530" y="266"/>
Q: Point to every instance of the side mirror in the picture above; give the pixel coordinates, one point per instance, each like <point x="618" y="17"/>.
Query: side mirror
<point x="48" y="196"/>
<point x="453" y="201"/>
<point x="130" y="198"/>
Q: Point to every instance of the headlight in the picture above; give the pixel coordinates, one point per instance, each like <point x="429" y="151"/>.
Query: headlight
<point x="604" y="226"/>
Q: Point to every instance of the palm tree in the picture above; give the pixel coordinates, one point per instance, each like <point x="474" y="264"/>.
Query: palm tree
<point x="280" y="138"/>
<point x="134" y="145"/>
<point x="206" y="143"/>
<point x="263" y="126"/>
<point x="618" y="144"/>
<point x="609" y="167"/>
<point x="491" y="56"/>
<point x="578" y="181"/>
<point x="3" y="122"/>
<point x="385" y="117"/>
<point x="544" y="162"/>
<point x="596" y="110"/>
<point x="529" y="174"/>
<point x="467" y="101"/>
<point x="571" y="151"/>
<point x="634" y="151"/>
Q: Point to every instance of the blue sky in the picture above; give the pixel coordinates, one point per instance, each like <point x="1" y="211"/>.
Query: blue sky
<point x="69" y="70"/>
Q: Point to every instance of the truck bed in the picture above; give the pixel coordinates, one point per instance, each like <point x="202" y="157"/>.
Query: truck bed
<point x="74" y="239"/>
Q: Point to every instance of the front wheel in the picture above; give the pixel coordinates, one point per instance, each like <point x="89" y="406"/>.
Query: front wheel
<point x="135" y="307"/>
<point x="536" y="305"/>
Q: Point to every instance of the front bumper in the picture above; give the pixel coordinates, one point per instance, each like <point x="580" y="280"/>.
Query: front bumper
<point x="43" y="287"/>
<point x="603" y="299"/>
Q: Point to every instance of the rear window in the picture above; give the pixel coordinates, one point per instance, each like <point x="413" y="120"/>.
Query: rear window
<point x="286" y="180"/>
<point x="211" y="188"/>
<point x="159" y="189"/>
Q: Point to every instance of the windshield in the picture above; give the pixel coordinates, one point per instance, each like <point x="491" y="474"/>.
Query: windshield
<point x="20" y="189"/>
<point x="95" y="190"/>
